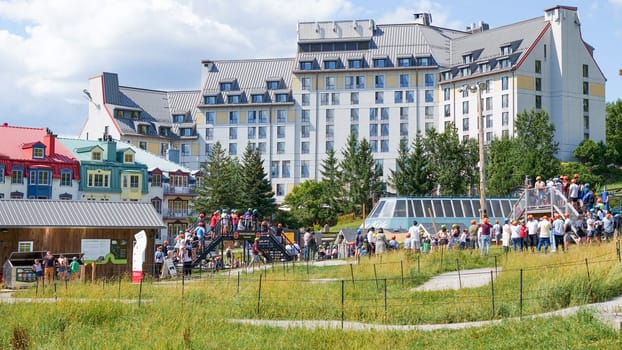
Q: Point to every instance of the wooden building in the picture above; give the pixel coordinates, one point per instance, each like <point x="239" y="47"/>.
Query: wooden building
<point x="100" y="230"/>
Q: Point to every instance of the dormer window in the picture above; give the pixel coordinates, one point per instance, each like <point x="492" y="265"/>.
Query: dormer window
<point x="380" y="62"/>
<point x="209" y="100"/>
<point x="446" y="75"/>
<point x="143" y="129"/>
<point x="233" y="99"/>
<point x="178" y="118"/>
<point x="404" y="62"/>
<point x="96" y="155"/>
<point x="128" y="158"/>
<point x="259" y="98"/>
<point x="135" y="115"/>
<point x="484" y="67"/>
<point x="118" y="114"/>
<point x="186" y="132"/>
<point x="424" y="61"/>
<point x="306" y="65"/>
<point x="506" y="50"/>
<point x="272" y="84"/>
<point x="226" y="86"/>
<point x="165" y="131"/>
<point x="38" y="152"/>
<point x="355" y="63"/>
<point x="465" y="72"/>
<point x="466" y="59"/>
<point x="505" y="63"/>
<point x="330" y="64"/>
<point x="281" y="97"/>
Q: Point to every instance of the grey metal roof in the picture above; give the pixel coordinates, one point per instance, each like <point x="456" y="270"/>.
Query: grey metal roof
<point x="335" y="30"/>
<point x="251" y="75"/>
<point x="86" y="214"/>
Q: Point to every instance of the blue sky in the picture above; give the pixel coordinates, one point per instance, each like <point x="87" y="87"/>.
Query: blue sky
<point x="49" y="49"/>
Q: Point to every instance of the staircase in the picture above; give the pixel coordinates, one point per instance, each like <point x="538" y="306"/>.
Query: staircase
<point x="545" y="202"/>
<point x="273" y="250"/>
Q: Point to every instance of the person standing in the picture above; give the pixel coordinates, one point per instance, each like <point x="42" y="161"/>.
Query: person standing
<point x="74" y="268"/>
<point x="506" y="235"/>
<point x="62" y="268"/>
<point x="473" y="235"/>
<point x="49" y="262"/>
<point x="496" y="231"/>
<point x="38" y="269"/>
<point x="517" y="241"/>
<point x="158" y="260"/>
<point x="544" y="229"/>
<point x="557" y="238"/>
<point x="381" y="242"/>
<point x="486" y="228"/>
<point x="532" y="232"/>
<point x="415" y="240"/>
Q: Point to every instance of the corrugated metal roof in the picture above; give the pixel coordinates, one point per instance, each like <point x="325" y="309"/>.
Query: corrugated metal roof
<point x="87" y="214"/>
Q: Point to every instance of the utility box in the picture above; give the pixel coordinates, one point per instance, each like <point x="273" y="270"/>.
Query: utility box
<point x="18" y="272"/>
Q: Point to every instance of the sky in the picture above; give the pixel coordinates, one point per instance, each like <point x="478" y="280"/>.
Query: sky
<point x="50" y="48"/>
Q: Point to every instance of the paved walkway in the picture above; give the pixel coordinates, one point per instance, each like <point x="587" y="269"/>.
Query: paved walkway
<point x="455" y="280"/>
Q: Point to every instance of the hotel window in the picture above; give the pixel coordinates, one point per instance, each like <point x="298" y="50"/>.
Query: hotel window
<point x="465" y="93"/>
<point x="251" y="117"/>
<point x="404" y="62"/>
<point x="446" y="94"/>
<point x="305" y="99"/>
<point x="429" y="112"/>
<point x="208" y="148"/>
<point x="586" y="88"/>
<point x="380" y="62"/>
<point x="467" y="59"/>
<point x="305" y="130"/>
<point x="330" y="116"/>
<point x="330" y="131"/>
<point x="424" y="61"/>
<point x="263" y="117"/>
<point x="233" y="99"/>
<point x="585" y="70"/>
<point x="586" y="122"/>
<point x="40" y="177"/>
<point x="586" y="105"/>
<point x="373" y="114"/>
<point x="488" y="136"/>
<point x="484" y="67"/>
<point x="156" y="180"/>
<point x="373" y="145"/>
<point x="359" y="81"/>
<point x="354" y="130"/>
<point x="307" y="65"/>
<point x="384" y="146"/>
<point x="324" y="99"/>
<point x="404" y="80"/>
<point x="281" y="116"/>
<point x="209" y="100"/>
<point x="489" y="121"/>
<point x="348" y="82"/>
<point x="334" y="98"/>
<point x="306" y="116"/>
<point x="403" y="113"/>
<point x="282" y="98"/>
<point x="330" y="146"/>
<point x="488" y="103"/>
<point x="280" y="147"/>
<point x="233" y="149"/>
<point x="285" y="168"/>
<point x="384" y="129"/>
<point x="410" y="96"/>
<point x="178" y="118"/>
<point x="538" y="84"/>
<point x="142" y="145"/>
<point x="465" y="124"/>
<point x="429" y="95"/>
<point x="354" y="98"/>
<point x="331" y="83"/>
<point x="274" y="169"/>
<point x="250" y="134"/>
<point x="465" y="107"/>
<point x="379" y="81"/>
<point x="505" y="133"/>
<point x="354" y="115"/>
<point x="280" y="132"/>
<point x="373" y="130"/>
<point x="505" y="118"/>
<point x="306" y="83"/>
<point x="258" y="98"/>
<point x="210" y="117"/>
<point x="209" y="133"/>
<point x="398" y="97"/>
<point x="357" y="63"/>
<point x="272" y="84"/>
<point x="118" y="113"/>
<point x="186" y="132"/>
<point x="261" y="147"/>
<point x="538" y="102"/>
<point x="379" y="97"/>
<point x="505" y="101"/>
<point x="163" y="148"/>
<point x="505" y="63"/>
<point x="233" y="117"/>
<point x="226" y="86"/>
<point x="330" y="64"/>
<point x="506" y="50"/>
<point x="233" y="133"/>
<point x="143" y="129"/>
<point x="262" y="132"/>
<point x="384" y="113"/>
<point x="447" y="110"/>
<point x="465" y="71"/>
<point x="504" y="83"/>
<point x="429" y="79"/>
<point x="185" y="149"/>
<point x="304" y="169"/>
<point x="404" y="129"/>
<point x="538" y="66"/>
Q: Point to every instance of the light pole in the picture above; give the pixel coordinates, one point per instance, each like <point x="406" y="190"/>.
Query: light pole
<point x="478" y="87"/>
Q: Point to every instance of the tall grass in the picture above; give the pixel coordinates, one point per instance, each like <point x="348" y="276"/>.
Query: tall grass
<point x="192" y="314"/>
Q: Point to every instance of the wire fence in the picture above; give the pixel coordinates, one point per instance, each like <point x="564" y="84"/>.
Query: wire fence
<point x="376" y="291"/>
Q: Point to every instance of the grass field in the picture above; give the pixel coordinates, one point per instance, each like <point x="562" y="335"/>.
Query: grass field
<point x="193" y="314"/>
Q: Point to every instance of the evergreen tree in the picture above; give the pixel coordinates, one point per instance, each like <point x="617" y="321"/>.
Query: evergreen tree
<point x="536" y="145"/>
<point x="613" y="130"/>
<point x="331" y="175"/>
<point x="400" y="176"/>
<point x="256" y="188"/>
<point x="370" y="173"/>
<point x="218" y="187"/>
<point x="419" y="165"/>
<point x="349" y="175"/>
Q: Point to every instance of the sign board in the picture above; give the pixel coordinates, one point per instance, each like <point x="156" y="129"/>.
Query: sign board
<point x="169" y="268"/>
<point x="94" y="248"/>
<point x="138" y="256"/>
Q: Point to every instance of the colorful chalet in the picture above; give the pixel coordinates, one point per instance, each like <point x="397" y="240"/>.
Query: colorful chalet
<point x="108" y="172"/>
<point x="34" y="165"/>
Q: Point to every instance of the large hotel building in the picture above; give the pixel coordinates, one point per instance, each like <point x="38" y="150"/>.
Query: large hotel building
<point x="382" y="82"/>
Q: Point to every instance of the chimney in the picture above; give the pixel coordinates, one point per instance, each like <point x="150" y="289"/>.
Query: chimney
<point x="49" y="140"/>
<point x="423" y="18"/>
<point x="478" y="27"/>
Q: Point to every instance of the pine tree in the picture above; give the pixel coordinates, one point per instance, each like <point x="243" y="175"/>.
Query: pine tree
<point x="419" y="169"/>
<point x="217" y="188"/>
<point x="256" y="188"/>
<point x="399" y="178"/>
<point x="333" y="185"/>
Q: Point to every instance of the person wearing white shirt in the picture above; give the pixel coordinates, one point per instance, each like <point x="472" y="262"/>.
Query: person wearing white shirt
<point x="544" y="229"/>
<point x="415" y="241"/>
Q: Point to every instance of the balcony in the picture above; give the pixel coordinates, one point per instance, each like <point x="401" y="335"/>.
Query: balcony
<point x="187" y="190"/>
<point x="178" y="213"/>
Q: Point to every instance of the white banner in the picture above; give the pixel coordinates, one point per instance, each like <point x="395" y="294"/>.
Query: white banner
<point x="138" y="256"/>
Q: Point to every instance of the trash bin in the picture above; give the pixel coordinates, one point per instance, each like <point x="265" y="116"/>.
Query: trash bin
<point x="18" y="272"/>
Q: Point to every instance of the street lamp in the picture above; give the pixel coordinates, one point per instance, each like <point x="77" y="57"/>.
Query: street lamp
<point x="478" y="87"/>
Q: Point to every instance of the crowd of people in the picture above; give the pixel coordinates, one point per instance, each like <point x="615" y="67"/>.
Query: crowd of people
<point x="51" y="268"/>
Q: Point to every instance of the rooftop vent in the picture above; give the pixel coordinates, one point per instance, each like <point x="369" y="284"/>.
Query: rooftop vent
<point x="423" y="18"/>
